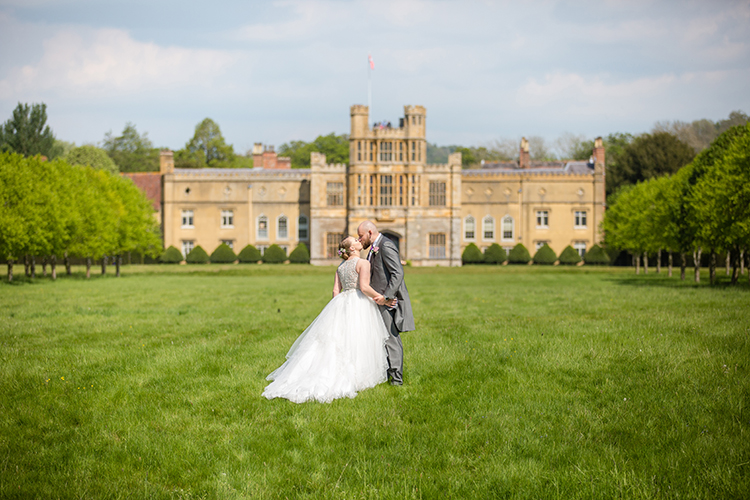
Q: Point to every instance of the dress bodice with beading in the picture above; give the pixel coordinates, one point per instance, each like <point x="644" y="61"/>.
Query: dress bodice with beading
<point x="348" y="276"/>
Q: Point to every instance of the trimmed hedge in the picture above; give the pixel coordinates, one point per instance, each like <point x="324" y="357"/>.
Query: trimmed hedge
<point x="300" y="255"/>
<point x="545" y="256"/>
<point x="596" y="255"/>
<point x="274" y="255"/>
<point x="250" y="255"/>
<point x="472" y="255"/>
<point x="495" y="254"/>
<point x="569" y="256"/>
<point x="171" y="256"/>
<point x="197" y="256"/>
<point x="223" y="255"/>
<point x="519" y="255"/>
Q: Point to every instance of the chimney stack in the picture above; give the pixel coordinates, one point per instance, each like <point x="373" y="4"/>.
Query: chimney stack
<point x="524" y="160"/>
<point x="598" y="152"/>
<point x="166" y="162"/>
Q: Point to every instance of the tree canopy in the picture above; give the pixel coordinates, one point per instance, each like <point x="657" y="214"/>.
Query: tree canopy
<point x="131" y="151"/>
<point x="91" y="156"/>
<point x="335" y="147"/>
<point x="27" y="132"/>
<point x="207" y="148"/>
<point x="53" y="208"/>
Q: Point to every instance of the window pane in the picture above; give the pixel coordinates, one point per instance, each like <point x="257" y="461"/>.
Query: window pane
<point x="437" y="194"/>
<point x="437" y="245"/>
<point x="332" y="244"/>
<point x="335" y="194"/>
<point x="283" y="233"/>
<point x="469" y="228"/>
<point x="263" y="227"/>
<point x="302" y="228"/>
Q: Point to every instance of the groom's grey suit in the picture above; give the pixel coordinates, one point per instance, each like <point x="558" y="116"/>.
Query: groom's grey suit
<point x="387" y="278"/>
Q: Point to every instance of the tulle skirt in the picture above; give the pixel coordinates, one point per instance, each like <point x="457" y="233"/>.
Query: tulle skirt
<point x="340" y="353"/>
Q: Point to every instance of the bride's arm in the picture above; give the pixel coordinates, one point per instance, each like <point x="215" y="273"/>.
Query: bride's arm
<point x="363" y="269"/>
<point x="336" y="285"/>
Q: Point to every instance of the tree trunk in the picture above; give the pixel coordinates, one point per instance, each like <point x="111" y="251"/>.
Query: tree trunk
<point x="104" y="264"/>
<point x="735" y="267"/>
<point x="670" y="263"/>
<point x="645" y="262"/>
<point x="742" y="262"/>
<point x="697" y="263"/>
<point x="637" y="258"/>
<point x="118" y="261"/>
<point x="26" y="266"/>
<point x="10" y="270"/>
<point x="658" y="261"/>
<point x="729" y="253"/>
<point x="53" y="266"/>
<point x="67" y="264"/>
<point x="683" y="265"/>
<point x="33" y="267"/>
<point x="130" y="258"/>
<point x="712" y="267"/>
<point x="44" y="266"/>
<point x="143" y="259"/>
<point x="88" y="267"/>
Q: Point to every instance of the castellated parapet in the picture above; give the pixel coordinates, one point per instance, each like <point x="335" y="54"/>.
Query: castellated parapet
<point x="431" y="211"/>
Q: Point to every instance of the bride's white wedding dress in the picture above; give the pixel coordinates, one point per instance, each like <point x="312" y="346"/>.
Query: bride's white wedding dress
<point x="340" y="353"/>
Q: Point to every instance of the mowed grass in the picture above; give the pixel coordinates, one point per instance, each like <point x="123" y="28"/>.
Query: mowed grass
<point x="520" y="382"/>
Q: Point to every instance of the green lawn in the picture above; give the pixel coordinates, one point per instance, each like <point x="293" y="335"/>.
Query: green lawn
<point x="520" y="382"/>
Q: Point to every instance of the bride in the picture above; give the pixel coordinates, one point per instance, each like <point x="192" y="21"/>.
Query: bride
<point x="342" y="351"/>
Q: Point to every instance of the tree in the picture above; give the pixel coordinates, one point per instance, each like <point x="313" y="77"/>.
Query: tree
<point x="26" y="131"/>
<point x="519" y="255"/>
<point x="721" y="199"/>
<point x="472" y="255"/>
<point x="274" y="255"/>
<point x="91" y="156"/>
<point x="335" y="147"/>
<point x="596" y="255"/>
<point x="699" y="134"/>
<point x="197" y="256"/>
<point x="132" y="152"/>
<point x="300" y="255"/>
<point x="171" y="255"/>
<point x="223" y="255"/>
<point x="17" y="193"/>
<point x="545" y="255"/>
<point x="494" y="254"/>
<point x="250" y="255"/>
<point x="652" y="155"/>
<point x="569" y="256"/>
<point x="207" y="148"/>
<point x="136" y="228"/>
<point x="614" y="145"/>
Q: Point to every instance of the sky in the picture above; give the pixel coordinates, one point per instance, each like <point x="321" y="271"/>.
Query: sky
<point x="276" y="71"/>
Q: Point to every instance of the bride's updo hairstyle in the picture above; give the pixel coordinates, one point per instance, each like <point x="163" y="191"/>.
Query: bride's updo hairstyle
<point x="345" y="246"/>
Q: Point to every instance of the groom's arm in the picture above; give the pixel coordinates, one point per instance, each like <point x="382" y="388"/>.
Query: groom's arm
<point x="392" y="262"/>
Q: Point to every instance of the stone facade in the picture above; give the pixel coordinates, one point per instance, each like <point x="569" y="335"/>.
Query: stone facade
<point x="431" y="211"/>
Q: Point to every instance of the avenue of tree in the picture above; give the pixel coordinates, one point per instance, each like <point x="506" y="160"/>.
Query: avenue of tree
<point x="54" y="210"/>
<point x="661" y="196"/>
<point x="702" y="207"/>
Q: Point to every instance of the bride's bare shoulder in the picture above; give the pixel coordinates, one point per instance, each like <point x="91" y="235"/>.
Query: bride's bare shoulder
<point x="362" y="264"/>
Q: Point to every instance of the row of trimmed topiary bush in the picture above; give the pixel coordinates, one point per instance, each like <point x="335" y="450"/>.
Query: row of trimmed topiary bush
<point x="495" y="254"/>
<point x="249" y="255"/>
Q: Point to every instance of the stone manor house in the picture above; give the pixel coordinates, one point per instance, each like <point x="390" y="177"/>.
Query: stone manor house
<point x="432" y="212"/>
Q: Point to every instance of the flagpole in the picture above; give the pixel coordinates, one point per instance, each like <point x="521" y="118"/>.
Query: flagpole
<point x="369" y="87"/>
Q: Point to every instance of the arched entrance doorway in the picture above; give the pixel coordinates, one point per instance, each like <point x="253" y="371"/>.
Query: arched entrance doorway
<point x="394" y="237"/>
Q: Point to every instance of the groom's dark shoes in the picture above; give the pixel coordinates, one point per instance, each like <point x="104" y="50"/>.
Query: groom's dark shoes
<point x="394" y="378"/>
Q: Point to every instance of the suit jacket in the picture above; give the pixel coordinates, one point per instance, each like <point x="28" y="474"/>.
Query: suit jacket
<point x="387" y="278"/>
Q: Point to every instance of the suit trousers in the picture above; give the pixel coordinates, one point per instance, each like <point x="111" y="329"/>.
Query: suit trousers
<point x="394" y="349"/>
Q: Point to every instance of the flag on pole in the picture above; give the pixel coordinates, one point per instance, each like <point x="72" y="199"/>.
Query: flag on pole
<point x="372" y="63"/>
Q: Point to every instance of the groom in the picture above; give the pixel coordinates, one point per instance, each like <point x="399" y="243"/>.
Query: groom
<point x="387" y="278"/>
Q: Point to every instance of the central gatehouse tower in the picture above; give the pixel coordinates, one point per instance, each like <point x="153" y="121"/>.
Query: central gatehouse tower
<point x="389" y="182"/>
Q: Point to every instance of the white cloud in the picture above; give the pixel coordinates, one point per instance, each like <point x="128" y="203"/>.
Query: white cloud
<point x="110" y="61"/>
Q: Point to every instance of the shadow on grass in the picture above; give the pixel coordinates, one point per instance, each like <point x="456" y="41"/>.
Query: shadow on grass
<point x="662" y="280"/>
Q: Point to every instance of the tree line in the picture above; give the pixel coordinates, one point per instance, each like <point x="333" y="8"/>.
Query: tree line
<point x="54" y="210"/>
<point x="702" y="207"/>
